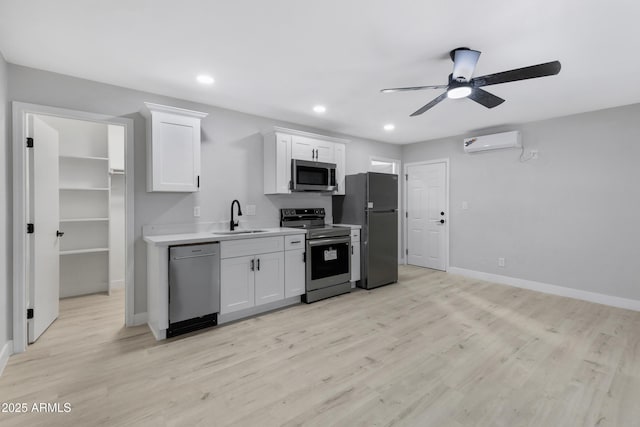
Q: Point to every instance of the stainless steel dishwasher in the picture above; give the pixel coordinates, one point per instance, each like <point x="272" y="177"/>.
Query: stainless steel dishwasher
<point x="194" y="287"/>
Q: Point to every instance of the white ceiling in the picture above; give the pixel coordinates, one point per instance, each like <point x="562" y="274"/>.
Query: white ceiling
<point x="279" y="58"/>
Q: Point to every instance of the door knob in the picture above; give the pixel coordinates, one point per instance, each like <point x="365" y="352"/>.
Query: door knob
<point x="59" y="233"/>
<point x="442" y="221"/>
<point x="442" y="213"/>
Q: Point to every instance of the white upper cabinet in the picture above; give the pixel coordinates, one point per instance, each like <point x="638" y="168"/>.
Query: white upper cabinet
<point x="312" y="149"/>
<point x="282" y="145"/>
<point x="173" y="148"/>
<point x="340" y="157"/>
<point x="277" y="163"/>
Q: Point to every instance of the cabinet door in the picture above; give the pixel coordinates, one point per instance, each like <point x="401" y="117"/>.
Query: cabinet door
<point x="269" y="277"/>
<point x="325" y="152"/>
<point x="294" y="273"/>
<point x="303" y="148"/>
<point x="175" y="153"/>
<point x="340" y="158"/>
<point x="283" y="163"/>
<point x="355" y="260"/>
<point x="236" y="284"/>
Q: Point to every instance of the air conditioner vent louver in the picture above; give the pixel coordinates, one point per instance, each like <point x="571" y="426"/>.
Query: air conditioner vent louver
<point x="492" y="142"/>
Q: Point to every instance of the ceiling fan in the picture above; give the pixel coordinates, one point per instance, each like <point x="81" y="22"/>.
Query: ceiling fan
<point x="461" y="85"/>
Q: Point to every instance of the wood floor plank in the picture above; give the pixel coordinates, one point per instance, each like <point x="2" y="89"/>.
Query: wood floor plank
<point x="434" y="349"/>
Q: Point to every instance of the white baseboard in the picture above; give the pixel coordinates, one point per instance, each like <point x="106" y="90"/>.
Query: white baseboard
<point x="546" y="288"/>
<point x="116" y="284"/>
<point x="139" y="319"/>
<point x="5" y="352"/>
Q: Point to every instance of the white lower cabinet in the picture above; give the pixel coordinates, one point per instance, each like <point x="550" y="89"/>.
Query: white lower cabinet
<point x="237" y="288"/>
<point x="252" y="273"/>
<point x="294" y="273"/>
<point x="355" y="256"/>
<point x="269" y="277"/>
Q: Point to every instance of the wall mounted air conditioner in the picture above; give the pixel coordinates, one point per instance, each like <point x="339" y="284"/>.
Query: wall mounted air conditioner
<point x="493" y="142"/>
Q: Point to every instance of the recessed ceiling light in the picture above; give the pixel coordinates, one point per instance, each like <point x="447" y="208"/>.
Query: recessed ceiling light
<point x="389" y="127"/>
<point x="319" y="109"/>
<point x="205" y="79"/>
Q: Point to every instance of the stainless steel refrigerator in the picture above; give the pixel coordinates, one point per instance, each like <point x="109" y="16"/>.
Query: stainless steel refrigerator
<point x="371" y="200"/>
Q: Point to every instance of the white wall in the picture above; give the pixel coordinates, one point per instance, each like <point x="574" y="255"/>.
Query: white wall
<point x="6" y="291"/>
<point x="117" y="236"/>
<point x="231" y="155"/>
<point x="569" y="218"/>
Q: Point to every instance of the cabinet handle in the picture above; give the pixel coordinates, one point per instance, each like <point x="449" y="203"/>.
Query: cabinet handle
<point x="258" y="266"/>
<point x="351" y="249"/>
<point x="253" y="265"/>
<point x="294" y="242"/>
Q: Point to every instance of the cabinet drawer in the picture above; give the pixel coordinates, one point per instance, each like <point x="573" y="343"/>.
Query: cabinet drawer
<point x="244" y="247"/>
<point x="355" y="234"/>
<point x="294" y="242"/>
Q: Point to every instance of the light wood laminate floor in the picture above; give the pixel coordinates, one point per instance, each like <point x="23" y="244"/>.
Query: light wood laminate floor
<point x="433" y="350"/>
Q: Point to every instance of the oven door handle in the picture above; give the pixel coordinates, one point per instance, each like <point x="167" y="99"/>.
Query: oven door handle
<point x="333" y="241"/>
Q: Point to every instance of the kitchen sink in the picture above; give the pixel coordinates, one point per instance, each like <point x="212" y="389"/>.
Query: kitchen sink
<point x="224" y="233"/>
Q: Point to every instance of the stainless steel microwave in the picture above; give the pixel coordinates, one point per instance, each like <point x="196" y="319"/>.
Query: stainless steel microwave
<point x="312" y="176"/>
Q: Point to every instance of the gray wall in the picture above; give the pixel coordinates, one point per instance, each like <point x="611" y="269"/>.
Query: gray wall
<point x="6" y="309"/>
<point x="569" y="218"/>
<point x="231" y="155"/>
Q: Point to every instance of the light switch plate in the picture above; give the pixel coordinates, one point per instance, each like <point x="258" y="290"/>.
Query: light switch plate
<point x="465" y="205"/>
<point x="196" y="211"/>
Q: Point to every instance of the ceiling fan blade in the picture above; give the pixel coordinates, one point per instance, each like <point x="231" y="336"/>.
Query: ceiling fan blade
<point x="429" y="105"/>
<point x="406" y="89"/>
<point x="485" y="98"/>
<point x="540" y="70"/>
<point x="464" y="62"/>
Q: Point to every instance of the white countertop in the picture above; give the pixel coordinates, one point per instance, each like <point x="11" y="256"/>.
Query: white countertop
<point x="211" y="236"/>
<point x="353" y="226"/>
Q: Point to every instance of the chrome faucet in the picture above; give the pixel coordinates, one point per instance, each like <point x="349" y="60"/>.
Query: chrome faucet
<point x="233" y="224"/>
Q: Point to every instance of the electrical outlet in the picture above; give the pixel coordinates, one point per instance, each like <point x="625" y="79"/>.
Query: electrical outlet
<point x="533" y="154"/>
<point x="500" y="262"/>
<point x="465" y="206"/>
<point x="250" y="210"/>
<point x="196" y="211"/>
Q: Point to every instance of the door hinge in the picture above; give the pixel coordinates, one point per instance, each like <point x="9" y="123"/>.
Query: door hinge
<point x="304" y="257"/>
<point x="29" y="313"/>
<point x="406" y="214"/>
<point x="406" y="177"/>
<point x="406" y="251"/>
<point x="29" y="142"/>
<point x="30" y="228"/>
<point x="198" y="181"/>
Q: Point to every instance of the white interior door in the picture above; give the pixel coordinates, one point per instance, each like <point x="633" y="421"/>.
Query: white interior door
<point x="426" y="222"/>
<point x="45" y="212"/>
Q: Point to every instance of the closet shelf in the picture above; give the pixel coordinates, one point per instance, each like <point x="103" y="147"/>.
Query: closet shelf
<point x="84" y="251"/>
<point x="84" y="219"/>
<point x="102" y="159"/>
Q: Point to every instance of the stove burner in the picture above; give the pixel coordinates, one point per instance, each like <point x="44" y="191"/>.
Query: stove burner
<point x="311" y="219"/>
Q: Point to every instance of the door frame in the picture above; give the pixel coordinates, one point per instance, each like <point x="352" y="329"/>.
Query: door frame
<point x="20" y="196"/>
<point x="447" y="207"/>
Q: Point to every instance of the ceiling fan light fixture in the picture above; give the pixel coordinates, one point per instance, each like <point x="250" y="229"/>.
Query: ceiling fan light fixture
<point x="459" y="92"/>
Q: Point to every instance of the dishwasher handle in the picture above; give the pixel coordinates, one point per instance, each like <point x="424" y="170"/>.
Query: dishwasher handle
<point x="193" y="256"/>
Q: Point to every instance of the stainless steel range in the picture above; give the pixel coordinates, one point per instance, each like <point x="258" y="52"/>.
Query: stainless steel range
<point x="328" y="253"/>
